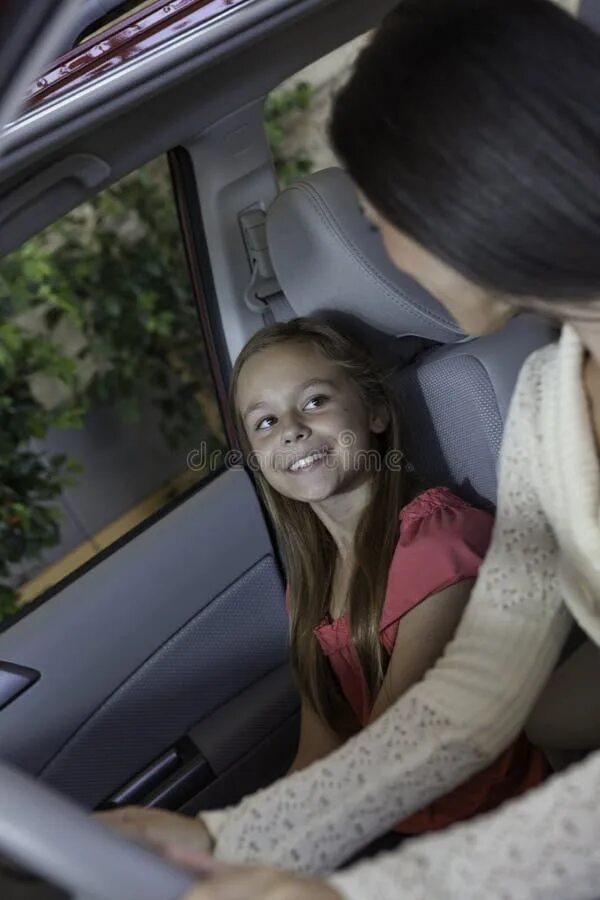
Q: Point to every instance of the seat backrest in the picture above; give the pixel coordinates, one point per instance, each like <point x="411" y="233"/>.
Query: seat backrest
<point x="454" y="391"/>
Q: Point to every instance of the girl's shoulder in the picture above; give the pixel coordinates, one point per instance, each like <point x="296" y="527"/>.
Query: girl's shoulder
<point x="431" y="501"/>
<point x="438" y="520"/>
<point x="443" y="540"/>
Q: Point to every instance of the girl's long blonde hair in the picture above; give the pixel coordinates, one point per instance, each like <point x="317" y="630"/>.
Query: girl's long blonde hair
<point x="308" y="550"/>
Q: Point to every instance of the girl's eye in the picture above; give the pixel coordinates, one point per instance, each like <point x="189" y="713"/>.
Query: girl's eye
<point x="265" y="423"/>
<point x="316" y="402"/>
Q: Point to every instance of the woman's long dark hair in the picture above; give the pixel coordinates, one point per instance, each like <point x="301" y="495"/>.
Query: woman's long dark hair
<point x="473" y="126"/>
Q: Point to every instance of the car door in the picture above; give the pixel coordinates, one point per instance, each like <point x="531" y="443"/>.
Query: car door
<point x="157" y="671"/>
<point x="161" y="668"/>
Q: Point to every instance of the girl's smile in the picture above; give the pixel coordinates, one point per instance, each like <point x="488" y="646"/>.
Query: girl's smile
<point x="309" y="462"/>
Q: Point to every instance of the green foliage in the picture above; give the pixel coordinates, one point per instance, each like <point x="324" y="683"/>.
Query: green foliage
<point x="96" y="310"/>
<point x="28" y="480"/>
<point x="111" y="286"/>
<point x="280" y="109"/>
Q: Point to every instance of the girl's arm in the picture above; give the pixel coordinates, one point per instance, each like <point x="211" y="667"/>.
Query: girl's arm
<point x="459" y="718"/>
<point x="423" y="634"/>
<point x="317" y="740"/>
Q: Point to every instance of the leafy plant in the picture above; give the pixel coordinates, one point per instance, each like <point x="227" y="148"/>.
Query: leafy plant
<point x="29" y="481"/>
<point x="280" y="109"/>
<point x="94" y="311"/>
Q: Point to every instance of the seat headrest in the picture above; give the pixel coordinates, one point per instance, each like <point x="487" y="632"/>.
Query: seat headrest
<point x="326" y="256"/>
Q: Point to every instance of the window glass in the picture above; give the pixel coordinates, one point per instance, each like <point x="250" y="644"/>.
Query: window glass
<point x="105" y="384"/>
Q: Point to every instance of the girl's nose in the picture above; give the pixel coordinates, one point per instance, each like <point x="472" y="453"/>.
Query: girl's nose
<point x="294" y="431"/>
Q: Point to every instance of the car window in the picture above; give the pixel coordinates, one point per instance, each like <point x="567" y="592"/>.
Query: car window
<point x="297" y="112"/>
<point x="105" y="383"/>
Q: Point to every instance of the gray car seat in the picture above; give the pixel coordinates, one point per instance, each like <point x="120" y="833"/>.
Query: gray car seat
<point x="454" y="391"/>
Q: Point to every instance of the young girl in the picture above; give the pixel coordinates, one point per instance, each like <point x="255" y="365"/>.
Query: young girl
<point x="378" y="572"/>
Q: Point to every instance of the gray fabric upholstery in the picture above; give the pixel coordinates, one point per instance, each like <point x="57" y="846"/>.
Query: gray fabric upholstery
<point x="454" y="402"/>
<point x="448" y="429"/>
<point x="326" y="255"/>
<point x="454" y="391"/>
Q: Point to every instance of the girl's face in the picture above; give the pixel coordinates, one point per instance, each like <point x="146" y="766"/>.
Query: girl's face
<point x="305" y="422"/>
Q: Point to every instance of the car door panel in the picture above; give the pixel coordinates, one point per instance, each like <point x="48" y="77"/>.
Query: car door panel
<point x="197" y="670"/>
<point x="175" y="623"/>
<point x="255" y="754"/>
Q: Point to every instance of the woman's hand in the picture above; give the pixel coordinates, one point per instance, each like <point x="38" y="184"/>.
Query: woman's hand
<point x="188" y="843"/>
<point x="246" y="883"/>
<point x="165" y="832"/>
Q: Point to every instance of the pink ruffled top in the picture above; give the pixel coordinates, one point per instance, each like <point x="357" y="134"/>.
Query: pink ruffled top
<point x="442" y="541"/>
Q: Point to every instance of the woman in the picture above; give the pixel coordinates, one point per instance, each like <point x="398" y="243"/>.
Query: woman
<point x="472" y="131"/>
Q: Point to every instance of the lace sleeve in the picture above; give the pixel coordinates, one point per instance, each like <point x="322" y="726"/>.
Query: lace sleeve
<point x="456" y="721"/>
<point x="543" y="846"/>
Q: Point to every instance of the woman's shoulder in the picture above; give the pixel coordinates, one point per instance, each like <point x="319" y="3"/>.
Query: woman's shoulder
<point x="538" y="379"/>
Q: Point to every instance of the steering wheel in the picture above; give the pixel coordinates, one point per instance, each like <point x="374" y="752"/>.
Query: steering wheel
<point x="55" y="839"/>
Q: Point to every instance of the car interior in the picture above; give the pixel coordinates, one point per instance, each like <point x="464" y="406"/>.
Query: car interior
<point x="158" y="673"/>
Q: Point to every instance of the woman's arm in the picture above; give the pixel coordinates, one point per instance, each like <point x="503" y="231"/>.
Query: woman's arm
<point x="423" y="634"/>
<point x="546" y="844"/>
<point x="316" y="741"/>
<point x="543" y="845"/>
<point x="455" y="722"/>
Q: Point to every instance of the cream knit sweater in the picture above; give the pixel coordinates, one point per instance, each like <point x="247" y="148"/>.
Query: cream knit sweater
<point x="543" y="568"/>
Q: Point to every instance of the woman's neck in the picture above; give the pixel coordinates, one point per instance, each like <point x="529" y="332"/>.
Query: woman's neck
<point x="589" y="335"/>
<point x="591" y="381"/>
<point x="342" y="513"/>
